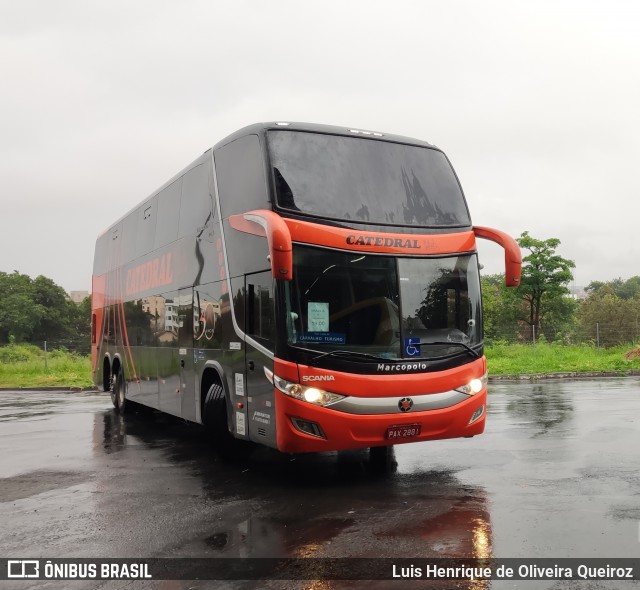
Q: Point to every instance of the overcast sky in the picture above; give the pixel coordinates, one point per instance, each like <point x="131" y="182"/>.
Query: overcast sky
<point x="537" y="104"/>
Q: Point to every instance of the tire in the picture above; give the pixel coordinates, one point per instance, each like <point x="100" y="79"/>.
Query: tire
<point x="118" y="392"/>
<point x="382" y="460"/>
<point x="215" y="416"/>
<point x="380" y="454"/>
<point x="112" y="385"/>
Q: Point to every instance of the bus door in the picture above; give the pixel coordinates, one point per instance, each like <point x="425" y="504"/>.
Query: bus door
<point x="260" y="327"/>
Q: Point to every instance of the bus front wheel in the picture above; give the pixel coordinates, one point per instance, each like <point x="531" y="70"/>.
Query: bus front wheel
<point x="215" y="415"/>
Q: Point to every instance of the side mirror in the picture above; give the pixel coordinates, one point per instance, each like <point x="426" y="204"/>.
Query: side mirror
<point x="512" y="255"/>
<point x="262" y="222"/>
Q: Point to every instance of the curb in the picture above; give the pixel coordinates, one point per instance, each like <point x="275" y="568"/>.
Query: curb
<point x="567" y="375"/>
<point x="52" y="388"/>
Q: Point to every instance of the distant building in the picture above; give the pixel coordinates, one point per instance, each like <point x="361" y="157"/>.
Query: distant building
<point x="578" y="293"/>
<point x="78" y="296"/>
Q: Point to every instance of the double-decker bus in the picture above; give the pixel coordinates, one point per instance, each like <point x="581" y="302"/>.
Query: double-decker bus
<point x="307" y="287"/>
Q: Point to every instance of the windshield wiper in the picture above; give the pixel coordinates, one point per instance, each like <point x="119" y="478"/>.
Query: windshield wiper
<point x="363" y="355"/>
<point x="339" y="353"/>
<point x="470" y="350"/>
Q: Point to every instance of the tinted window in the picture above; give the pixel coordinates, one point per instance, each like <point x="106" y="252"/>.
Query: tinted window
<point x="207" y="315"/>
<point x="365" y="180"/>
<point x="127" y="240"/>
<point x="185" y="318"/>
<point x="441" y="300"/>
<point x="168" y="214"/>
<point x="344" y="300"/>
<point x="171" y="316"/>
<point x="195" y="207"/>
<point x="260" y="308"/>
<point x="100" y="260"/>
<point x="146" y="229"/>
<point x="390" y="307"/>
<point x="140" y="323"/>
<point x="240" y="174"/>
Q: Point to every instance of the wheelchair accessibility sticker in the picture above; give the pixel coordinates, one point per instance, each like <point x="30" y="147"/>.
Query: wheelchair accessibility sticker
<point x="412" y="346"/>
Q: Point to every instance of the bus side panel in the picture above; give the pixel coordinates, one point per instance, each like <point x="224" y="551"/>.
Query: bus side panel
<point x="261" y="329"/>
<point x="97" y="317"/>
<point x="210" y="325"/>
<point x="186" y="364"/>
<point x="235" y="360"/>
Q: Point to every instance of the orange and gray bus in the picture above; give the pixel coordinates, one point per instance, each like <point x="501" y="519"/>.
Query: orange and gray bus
<point x="307" y="287"/>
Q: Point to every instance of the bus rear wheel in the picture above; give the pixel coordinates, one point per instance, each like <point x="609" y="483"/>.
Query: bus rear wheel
<point x="118" y="393"/>
<point x="112" y="392"/>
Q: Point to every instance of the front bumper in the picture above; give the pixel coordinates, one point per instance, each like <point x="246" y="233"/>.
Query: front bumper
<point x="342" y="431"/>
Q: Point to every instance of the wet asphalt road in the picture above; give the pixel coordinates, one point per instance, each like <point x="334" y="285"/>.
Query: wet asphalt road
<point x="556" y="474"/>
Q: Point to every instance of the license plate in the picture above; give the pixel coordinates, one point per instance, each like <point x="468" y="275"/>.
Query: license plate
<point x="403" y="431"/>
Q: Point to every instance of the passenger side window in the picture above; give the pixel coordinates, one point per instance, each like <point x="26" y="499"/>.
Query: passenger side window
<point x="168" y="214"/>
<point x="241" y="179"/>
<point x="261" y="309"/>
<point x="146" y="228"/>
<point x="196" y="204"/>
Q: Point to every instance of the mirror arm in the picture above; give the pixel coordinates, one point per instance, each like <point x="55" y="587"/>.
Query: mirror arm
<point x="512" y="255"/>
<point x="262" y="222"/>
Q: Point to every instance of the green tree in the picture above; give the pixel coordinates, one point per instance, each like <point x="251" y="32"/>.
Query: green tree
<point x="80" y="320"/>
<point x="33" y="310"/>
<point x="628" y="289"/>
<point x="19" y="316"/>
<point x="545" y="276"/>
<point x="608" y="317"/>
<point x="502" y="309"/>
<point x="55" y="323"/>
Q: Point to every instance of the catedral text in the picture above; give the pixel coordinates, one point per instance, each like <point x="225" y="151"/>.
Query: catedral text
<point x="150" y="275"/>
<point x="354" y="240"/>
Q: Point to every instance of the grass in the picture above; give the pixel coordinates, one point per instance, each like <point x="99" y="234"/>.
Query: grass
<point x="524" y="359"/>
<point x="23" y="365"/>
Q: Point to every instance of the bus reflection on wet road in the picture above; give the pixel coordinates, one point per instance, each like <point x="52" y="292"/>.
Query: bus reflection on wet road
<point x="556" y="474"/>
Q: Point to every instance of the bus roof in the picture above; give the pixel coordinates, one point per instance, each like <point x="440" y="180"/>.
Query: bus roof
<point x="260" y="128"/>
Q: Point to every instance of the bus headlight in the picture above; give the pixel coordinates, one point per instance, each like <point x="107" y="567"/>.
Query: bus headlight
<point x="474" y="386"/>
<point x="311" y="395"/>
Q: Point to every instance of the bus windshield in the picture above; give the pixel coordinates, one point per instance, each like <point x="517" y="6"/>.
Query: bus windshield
<point x="365" y="180"/>
<point x="382" y="305"/>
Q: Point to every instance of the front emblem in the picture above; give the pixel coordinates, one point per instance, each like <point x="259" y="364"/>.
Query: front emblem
<point x="405" y="404"/>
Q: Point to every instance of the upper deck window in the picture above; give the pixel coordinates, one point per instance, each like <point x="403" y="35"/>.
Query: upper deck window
<point x="365" y="180"/>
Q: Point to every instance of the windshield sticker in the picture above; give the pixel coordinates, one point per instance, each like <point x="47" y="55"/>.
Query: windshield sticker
<point x="318" y="317"/>
<point x="412" y="346"/>
<point x="323" y="337"/>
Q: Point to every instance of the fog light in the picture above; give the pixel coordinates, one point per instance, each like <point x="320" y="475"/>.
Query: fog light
<point x="312" y="428"/>
<point x="477" y="414"/>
